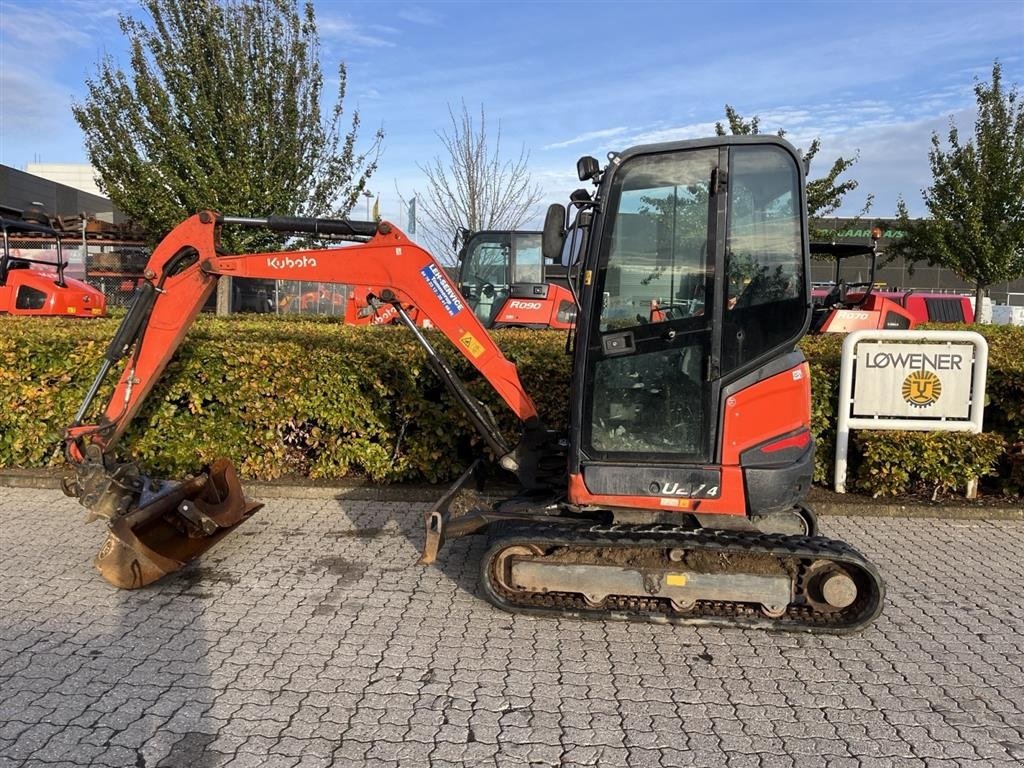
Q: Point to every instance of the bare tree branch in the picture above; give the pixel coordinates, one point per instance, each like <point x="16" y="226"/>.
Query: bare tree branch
<point x="472" y="186"/>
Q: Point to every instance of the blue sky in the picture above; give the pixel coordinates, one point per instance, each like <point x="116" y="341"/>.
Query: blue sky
<point x="572" y="78"/>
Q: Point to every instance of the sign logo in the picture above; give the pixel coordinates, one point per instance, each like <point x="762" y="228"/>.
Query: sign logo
<point x="921" y="389"/>
<point x="439" y="284"/>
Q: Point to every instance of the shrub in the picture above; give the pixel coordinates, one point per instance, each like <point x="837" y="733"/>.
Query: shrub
<point x="310" y="397"/>
<point x="895" y="463"/>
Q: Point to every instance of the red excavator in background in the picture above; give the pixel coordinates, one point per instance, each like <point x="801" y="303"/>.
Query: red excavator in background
<point x="39" y="292"/>
<point x="843" y="307"/>
<point x="504" y="280"/>
<point x="508" y="283"/>
<point x="676" y="491"/>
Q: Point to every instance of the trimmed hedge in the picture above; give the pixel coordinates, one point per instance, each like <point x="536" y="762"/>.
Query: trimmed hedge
<point x="278" y="396"/>
<point x="895" y="463"/>
<point x="310" y="397"/>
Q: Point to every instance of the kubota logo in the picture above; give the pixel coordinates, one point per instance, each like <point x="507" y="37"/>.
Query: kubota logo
<point x="287" y="262"/>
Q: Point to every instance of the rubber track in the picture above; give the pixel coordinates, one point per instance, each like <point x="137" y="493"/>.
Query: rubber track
<point x="797" y="552"/>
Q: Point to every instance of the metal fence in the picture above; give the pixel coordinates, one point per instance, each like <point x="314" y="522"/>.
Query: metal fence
<point x="288" y="297"/>
<point x="303" y="297"/>
<point x="115" y="267"/>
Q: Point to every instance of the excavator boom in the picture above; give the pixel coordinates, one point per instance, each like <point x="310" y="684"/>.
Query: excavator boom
<point x="149" y="518"/>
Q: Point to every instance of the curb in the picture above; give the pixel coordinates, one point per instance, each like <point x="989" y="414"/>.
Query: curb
<point x="822" y="501"/>
<point x="935" y="512"/>
<point x="51" y="480"/>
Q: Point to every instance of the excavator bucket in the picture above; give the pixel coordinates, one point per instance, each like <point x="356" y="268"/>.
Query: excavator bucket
<point x="168" y="533"/>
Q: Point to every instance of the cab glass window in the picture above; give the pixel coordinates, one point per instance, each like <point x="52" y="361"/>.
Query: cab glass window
<point x="657" y="266"/>
<point x="484" y="275"/>
<point x="528" y="260"/>
<point x="654" y="291"/>
<point x="765" y="292"/>
<point x="29" y="298"/>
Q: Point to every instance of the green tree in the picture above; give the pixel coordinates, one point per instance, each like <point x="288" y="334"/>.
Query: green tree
<point x="976" y="201"/>
<point x="222" y="109"/>
<point x="824" y="195"/>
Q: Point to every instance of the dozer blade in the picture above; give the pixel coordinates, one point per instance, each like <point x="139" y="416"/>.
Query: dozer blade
<point x="463" y="511"/>
<point x="165" y="535"/>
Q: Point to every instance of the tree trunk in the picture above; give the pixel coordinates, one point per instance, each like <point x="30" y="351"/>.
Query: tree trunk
<point x="979" y="297"/>
<point x="224" y="296"/>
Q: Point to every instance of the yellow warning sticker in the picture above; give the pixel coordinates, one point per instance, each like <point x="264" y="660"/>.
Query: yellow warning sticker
<point x="470" y="342"/>
<point x="675" y="579"/>
<point x="72" y="310"/>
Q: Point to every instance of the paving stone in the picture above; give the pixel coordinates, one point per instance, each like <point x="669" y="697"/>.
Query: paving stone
<point x="310" y="648"/>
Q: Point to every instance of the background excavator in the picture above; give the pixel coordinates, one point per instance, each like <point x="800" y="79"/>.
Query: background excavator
<point x="502" y="277"/>
<point x="855" y="306"/>
<point x="42" y="292"/>
<point x="676" y="492"/>
<point x="508" y="283"/>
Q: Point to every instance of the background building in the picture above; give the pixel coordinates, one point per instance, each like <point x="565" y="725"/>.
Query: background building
<point x="57" y="194"/>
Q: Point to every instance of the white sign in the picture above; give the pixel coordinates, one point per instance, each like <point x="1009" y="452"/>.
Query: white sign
<point x="916" y="381"/>
<point x="912" y="380"/>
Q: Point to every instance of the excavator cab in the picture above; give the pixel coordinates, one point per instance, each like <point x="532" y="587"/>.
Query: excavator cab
<point x="46" y="291"/>
<point x="845" y="306"/>
<point x="508" y="283"/>
<point x="712" y="236"/>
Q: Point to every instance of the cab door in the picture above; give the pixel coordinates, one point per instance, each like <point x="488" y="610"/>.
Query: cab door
<point x="485" y="272"/>
<point x="649" y="360"/>
<point x="697" y="281"/>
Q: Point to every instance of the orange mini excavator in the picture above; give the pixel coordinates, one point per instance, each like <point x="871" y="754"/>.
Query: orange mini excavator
<point x="39" y="293"/>
<point x="843" y="307"/>
<point x="675" y="493"/>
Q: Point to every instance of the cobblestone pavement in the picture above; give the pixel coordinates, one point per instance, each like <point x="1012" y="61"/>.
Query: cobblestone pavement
<point x="309" y="638"/>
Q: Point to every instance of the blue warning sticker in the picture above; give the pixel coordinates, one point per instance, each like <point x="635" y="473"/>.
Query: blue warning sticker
<point x="442" y="289"/>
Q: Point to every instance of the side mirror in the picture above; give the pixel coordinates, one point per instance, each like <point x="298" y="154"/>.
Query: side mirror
<point x="553" y="237"/>
<point x="573" y="246"/>
<point x="461" y="235"/>
<point x="587" y="168"/>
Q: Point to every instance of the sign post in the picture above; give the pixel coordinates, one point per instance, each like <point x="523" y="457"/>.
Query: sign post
<point x="909" y="380"/>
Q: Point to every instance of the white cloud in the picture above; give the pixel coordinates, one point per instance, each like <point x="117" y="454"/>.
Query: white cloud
<point x="589" y="136"/>
<point x="419" y="15"/>
<point x="657" y="134"/>
<point x="36" y="27"/>
<point x="346" y="31"/>
<point x="31" y="102"/>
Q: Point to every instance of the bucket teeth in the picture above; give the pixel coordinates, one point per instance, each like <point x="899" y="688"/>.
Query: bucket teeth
<point x="165" y="535"/>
